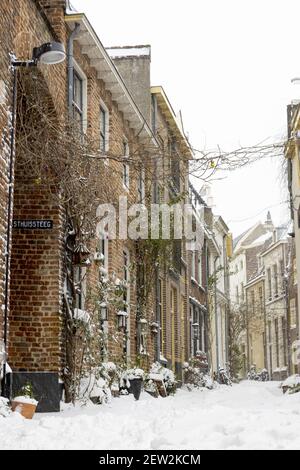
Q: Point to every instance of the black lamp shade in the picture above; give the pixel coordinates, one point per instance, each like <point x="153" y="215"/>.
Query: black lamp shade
<point x="50" y="53"/>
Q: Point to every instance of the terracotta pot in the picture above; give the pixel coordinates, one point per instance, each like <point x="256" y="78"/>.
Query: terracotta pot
<point x="25" y="409"/>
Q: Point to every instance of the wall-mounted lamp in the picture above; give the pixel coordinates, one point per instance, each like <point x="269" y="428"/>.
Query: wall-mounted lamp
<point x="103" y="311"/>
<point x="49" y="53"/>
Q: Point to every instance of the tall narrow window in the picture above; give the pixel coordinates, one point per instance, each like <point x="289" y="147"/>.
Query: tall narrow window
<point x="125" y="164"/>
<point x="80" y="286"/>
<point x="104" y="127"/>
<point x="269" y="279"/>
<point x="253" y="302"/>
<point x="126" y="279"/>
<point x="200" y="268"/>
<point x="161" y="319"/>
<point x="277" y="342"/>
<point x="275" y="271"/>
<point x="126" y="300"/>
<point x="281" y="267"/>
<point x="78" y="100"/>
<point x="193" y="264"/>
<point x="141" y="186"/>
<point x="261" y="299"/>
<point x="237" y="297"/>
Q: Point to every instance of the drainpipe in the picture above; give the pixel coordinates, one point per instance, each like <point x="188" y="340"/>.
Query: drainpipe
<point x="287" y="305"/>
<point x="8" y="229"/>
<point x="216" y="320"/>
<point x="157" y="287"/>
<point x="266" y="361"/>
<point x="70" y="49"/>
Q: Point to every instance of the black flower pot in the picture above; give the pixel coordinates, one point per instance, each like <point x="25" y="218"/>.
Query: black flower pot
<point x="136" y="387"/>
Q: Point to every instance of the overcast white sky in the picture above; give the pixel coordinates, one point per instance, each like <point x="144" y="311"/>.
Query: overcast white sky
<point x="227" y="65"/>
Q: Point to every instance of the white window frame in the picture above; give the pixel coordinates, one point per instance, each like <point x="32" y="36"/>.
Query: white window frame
<point x="106" y="137"/>
<point x="83" y="78"/>
<point x="104" y="237"/>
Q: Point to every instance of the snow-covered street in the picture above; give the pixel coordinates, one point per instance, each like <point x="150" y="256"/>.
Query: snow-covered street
<point x="250" y="415"/>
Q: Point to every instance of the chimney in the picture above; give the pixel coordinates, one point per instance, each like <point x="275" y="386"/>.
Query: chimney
<point x="133" y="64"/>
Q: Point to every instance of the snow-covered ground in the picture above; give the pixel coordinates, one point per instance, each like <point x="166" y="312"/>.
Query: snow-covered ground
<point x="250" y="415"/>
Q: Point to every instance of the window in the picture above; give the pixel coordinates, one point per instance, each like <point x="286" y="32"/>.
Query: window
<point x="284" y="331"/>
<point x="125" y="164"/>
<point x="161" y="319"/>
<point x="78" y="99"/>
<point x="126" y="279"/>
<point x="80" y="286"/>
<point x="281" y="267"/>
<point x="200" y="268"/>
<point x="104" y="128"/>
<point x="275" y="271"/>
<point x="261" y="300"/>
<point x="242" y="291"/>
<point x="237" y="294"/>
<point x="253" y="302"/>
<point x="269" y="280"/>
<point x="126" y="300"/>
<point x="277" y="342"/>
<point x="141" y="186"/>
<point x="193" y="264"/>
<point x="103" y="250"/>
<point x="153" y="113"/>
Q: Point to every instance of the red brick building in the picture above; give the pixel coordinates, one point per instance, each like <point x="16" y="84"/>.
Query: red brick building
<point x="127" y="124"/>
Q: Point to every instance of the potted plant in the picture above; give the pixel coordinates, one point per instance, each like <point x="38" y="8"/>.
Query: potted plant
<point x="136" y="378"/>
<point x="25" y="403"/>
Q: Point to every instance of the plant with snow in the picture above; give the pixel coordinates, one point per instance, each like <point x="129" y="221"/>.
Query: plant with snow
<point x="4" y="407"/>
<point x="166" y="375"/>
<point x="291" y="384"/>
<point x="194" y="376"/>
<point x="26" y="395"/>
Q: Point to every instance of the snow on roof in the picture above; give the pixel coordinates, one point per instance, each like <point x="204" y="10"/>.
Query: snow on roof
<point x="130" y="51"/>
<point x="262" y="239"/>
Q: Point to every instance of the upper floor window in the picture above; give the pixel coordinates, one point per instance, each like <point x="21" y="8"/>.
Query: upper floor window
<point x="193" y="264"/>
<point x="104" y="128"/>
<point x="269" y="280"/>
<point x="200" y="269"/>
<point x="141" y="186"/>
<point x="79" y="99"/>
<point x="125" y="164"/>
<point x="275" y="279"/>
<point x="261" y="298"/>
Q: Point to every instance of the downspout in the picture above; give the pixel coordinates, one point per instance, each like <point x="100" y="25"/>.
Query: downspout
<point x="266" y="361"/>
<point x="206" y="341"/>
<point x="287" y="305"/>
<point x="216" y="320"/>
<point x="4" y="391"/>
<point x="70" y="52"/>
<point x="158" y="293"/>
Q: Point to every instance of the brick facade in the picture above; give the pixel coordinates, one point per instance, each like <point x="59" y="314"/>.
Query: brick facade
<point x="37" y="286"/>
